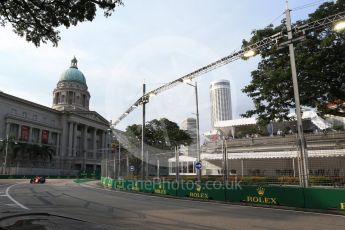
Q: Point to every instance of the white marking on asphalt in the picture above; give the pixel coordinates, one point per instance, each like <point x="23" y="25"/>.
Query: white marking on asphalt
<point x="13" y="200"/>
<point x="11" y="204"/>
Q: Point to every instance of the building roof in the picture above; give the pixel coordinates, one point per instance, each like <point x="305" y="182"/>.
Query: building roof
<point x="183" y="159"/>
<point x="73" y="74"/>
<point x="235" y="122"/>
<point x="274" y="155"/>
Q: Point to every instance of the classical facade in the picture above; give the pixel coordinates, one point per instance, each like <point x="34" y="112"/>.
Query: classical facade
<point x="78" y="136"/>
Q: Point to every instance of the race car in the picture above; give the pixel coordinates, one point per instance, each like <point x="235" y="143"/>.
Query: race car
<point x="37" y="180"/>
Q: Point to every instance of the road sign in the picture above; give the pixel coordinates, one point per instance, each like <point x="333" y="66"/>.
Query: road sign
<point x="131" y="168"/>
<point x="198" y="165"/>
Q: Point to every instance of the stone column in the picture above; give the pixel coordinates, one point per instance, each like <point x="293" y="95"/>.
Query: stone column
<point x="103" y="145"/>
<point x="70" y="135"/>
<point x="94" y="145"/>
<point x="7" y="129"/>
<point x="19" y="131"/>
<point x="49" y="137"/>
<point x="40" y="136"/>
<point x="58" y="144"/>
<point x="30" y="134"/>
<point x="85" y="146"/>
<point x="75" y="132"/>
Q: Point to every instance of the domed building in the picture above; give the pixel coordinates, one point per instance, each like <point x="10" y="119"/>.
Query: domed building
<point x="78" y="137"/>
<point x="71" y="92"/>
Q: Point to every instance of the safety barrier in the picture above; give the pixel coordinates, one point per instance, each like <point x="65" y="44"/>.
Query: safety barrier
<point x="288" y="196"/>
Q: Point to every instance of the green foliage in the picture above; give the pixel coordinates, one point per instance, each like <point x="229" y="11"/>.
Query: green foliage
<point x="249" y="130"/>
<point x="38" y="20"/>
<point x="338" y="127"/>
<point x="17" y="151"/>
<point x="320" y="67"/>
<point x="161" y="134"/>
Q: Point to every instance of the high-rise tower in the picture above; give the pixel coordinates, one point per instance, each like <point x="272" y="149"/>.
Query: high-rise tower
<point x="220" y="96"/>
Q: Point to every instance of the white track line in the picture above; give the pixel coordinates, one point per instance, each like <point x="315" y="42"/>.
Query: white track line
<point x="13" y="200"/>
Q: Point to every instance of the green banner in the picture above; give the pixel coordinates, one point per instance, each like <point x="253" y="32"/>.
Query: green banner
<point x="268" y="195"/>
<point x="208" y="191"/>
<point x="314" y="198"/>
<point x="165" y="188"/>
<point x="119" y="184"/>
<point x="325" y="198"/>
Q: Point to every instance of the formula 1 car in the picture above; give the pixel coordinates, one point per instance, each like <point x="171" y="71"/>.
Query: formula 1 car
<point x="37" y="180"/>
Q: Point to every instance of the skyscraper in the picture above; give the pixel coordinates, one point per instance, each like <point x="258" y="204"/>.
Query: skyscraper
<point x="189" y="125"/>
<point x="220" y="96"/>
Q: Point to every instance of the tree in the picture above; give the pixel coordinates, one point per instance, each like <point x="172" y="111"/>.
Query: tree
<point x="38" y="20"/>
<point x="161" y="134"/>
<point x="320" y="67"/>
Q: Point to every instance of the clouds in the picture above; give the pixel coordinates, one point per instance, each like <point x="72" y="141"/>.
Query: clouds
<point x="147" y="41"/>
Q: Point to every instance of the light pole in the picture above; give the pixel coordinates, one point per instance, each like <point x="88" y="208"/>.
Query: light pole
<point x="107" y="152"/>
<point x="119" y="169"/>
<point x="303" y="158"/>
<point x="143" y="136"/>
<point x="197" y="127"/>
<point x="177" y="164"/>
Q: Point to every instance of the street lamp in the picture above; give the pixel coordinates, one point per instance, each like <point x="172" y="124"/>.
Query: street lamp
<point x="303" y="157"/>
<point x="339" y="26"/>
<point x="197" y="125"/>
<point x="249" y="53"/>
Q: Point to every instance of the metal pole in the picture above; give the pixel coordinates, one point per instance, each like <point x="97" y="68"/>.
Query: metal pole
<point x="293" y="167"/>
<point x="6" y="151"/>
<point x="303" y="159"/>
<point x="127" y="165"/>
<point x="223" y="168"/>
<point x="158" y="168"/>
<point x="147" y="164"/>
<point x="114" y="171"/>
<point x="142" y="137"/>
<point x="226" y="162"/>
<point x="177" y="166"/>
<point x="197" y="130"/>
<point x="119" y="170"/>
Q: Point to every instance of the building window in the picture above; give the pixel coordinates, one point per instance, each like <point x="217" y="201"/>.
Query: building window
<point x="190" y="167"/>
<point x="34" y="117"/>
<point x="25" y="133"/>
<point x="84" y="100"/>
<point x="25" y="114"/>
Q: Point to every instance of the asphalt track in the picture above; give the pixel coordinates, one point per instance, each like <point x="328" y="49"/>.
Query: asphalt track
<point x="122" y="210"/>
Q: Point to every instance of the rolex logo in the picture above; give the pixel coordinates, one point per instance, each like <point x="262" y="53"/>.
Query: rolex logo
<point x="261" y="191"/>
<point x="198" y="188"/>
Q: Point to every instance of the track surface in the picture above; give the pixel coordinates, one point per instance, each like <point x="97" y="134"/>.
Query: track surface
<point x="121" y="210"/>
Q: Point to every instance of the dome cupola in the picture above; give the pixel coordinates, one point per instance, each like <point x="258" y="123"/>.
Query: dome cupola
<point x="71" y="92"/>
<point x="73" y="73"/>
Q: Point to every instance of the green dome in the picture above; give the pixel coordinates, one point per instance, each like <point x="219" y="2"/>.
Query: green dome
<point x="73" y="74"/>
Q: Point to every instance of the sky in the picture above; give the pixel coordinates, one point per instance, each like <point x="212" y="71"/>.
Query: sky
<point x="151" y="41"/>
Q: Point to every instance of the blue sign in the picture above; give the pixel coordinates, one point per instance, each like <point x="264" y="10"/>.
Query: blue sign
<point x="131" y="168"/>
<point x="198" y="165"/>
